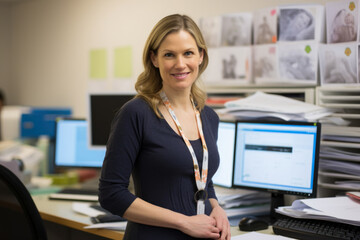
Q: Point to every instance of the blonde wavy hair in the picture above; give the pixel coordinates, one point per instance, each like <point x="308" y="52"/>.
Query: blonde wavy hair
<point x="149" y="82"/>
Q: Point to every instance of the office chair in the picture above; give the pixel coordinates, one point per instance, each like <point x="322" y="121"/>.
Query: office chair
<point x="19" y="216"/>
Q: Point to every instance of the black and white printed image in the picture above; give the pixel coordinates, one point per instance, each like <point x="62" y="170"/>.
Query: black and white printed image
<point x="342" y="21"/>
<point x="228" y="66"/>
<point x="296" y="24"/>
<point x="298" y="62"/>
<point x="338" y="64"/>
<point x="211" y="30"/>
<point x="265" y="25"/>
<point x="236" y="29"/>
<point x="235" y="63"/>
<point x="264" y="67"/>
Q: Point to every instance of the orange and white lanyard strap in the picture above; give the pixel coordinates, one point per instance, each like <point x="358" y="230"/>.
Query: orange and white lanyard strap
<point x="200" y="180"/>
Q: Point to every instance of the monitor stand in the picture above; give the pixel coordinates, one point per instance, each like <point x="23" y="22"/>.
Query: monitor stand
<point x="277" y="200"/>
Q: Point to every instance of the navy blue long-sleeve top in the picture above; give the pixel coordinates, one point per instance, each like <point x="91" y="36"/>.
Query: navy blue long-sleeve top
<point x="146" y="147"/>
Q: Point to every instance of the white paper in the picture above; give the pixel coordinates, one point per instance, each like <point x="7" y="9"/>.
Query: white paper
<point x="265" y="67"/>
<point x="335" y="209"/>
<point x="273" y="103"/>
<point x="301" y="22"/>
<point x="338" y="63"/>
<point x="84" y="208"/>
<point x="340" y="166"/>
<point x="211" y="30"/>
<point x="120" y="226"/>
<point x="258" y="236"/>
<point x="341" y="21"/>
<point x="236" y="29"/>
<point x="298" y="62"/>
<point x="265" y="25"/>
<point x="338" y="207"/>
<point x="229" y="66"/>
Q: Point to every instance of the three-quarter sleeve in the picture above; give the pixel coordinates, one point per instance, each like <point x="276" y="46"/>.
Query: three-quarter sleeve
<point x="122" y="150"/>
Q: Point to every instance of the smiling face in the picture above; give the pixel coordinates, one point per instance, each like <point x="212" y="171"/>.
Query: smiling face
<point x="178" y="59"/>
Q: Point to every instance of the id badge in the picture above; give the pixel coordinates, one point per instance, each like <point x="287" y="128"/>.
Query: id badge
<point x="200" y="207"/>
<point x="200" y="197"/>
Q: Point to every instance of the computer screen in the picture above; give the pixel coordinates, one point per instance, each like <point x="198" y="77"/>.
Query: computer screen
<point x="226" y="147"/>
<point x="101" y="112"/>
<point x="278" y="157"/>
<point x="71" y="145"/>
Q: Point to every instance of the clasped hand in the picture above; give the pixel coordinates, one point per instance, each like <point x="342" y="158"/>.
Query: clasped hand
<point x="215" y="226"/>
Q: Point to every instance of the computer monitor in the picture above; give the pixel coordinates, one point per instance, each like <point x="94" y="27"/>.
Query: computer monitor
<point x="71" y="145"/>
<point x="278" y="157"/>
<point x="226" y="147"/>
<point x="101" y="112"/>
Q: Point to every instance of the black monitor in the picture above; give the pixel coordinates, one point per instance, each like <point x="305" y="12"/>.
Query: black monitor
<point x="226" y="147"/>
<point x="277" y="157"/>
<point x="101" y="112"/>
<point x="71" y="146"/>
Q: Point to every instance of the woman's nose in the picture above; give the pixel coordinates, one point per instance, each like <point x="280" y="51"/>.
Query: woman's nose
<point x="180" y="62"/>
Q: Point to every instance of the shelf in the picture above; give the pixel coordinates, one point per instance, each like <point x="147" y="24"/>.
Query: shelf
<point x="337" y="187"/>
<point x="341" y="105"/>
<point x="340" y="144"/>
<point x="347" y="115"/>
<point x="339" y="175"/>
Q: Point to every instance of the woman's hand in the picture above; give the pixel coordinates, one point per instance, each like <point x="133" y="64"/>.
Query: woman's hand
<point x="201" y="226"/>
<point x="222" y="222"/>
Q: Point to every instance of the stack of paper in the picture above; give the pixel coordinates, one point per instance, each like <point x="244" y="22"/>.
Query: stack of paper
<point x="238" y="204"/>
<point x="327" y="152"/>
<point x="334" y="209"/>
<point x="339" y="166"/>
<point x="240" y="199"/>
<point x="260" y="105"/>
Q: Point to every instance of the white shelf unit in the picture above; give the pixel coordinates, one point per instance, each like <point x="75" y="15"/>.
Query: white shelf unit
<point x="340" y="144"/>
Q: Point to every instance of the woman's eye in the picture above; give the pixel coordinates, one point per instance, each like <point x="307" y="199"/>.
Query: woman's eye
<point x="168" y="54"/>
<point x="188" y="53"/>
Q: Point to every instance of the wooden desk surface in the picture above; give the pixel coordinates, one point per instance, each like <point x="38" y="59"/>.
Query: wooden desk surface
<point x="60" y="212"/>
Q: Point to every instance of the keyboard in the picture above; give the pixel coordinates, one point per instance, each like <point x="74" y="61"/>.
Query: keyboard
<point x="83" y="191"/>
<point x="310" y="229"/>
<point x="76" y="194"/>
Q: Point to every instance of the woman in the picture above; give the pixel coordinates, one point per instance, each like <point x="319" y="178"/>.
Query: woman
<point x="170" y="151"/>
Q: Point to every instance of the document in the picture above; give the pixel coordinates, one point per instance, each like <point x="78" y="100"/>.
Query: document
<point x="119" y="226"/>
<point x="86" y="209"/>
<point x="264" y="103"/>
<point x="258" y="236"/>
<point x="335" y="209"/>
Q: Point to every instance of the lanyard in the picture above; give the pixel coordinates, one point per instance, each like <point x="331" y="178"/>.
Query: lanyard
<point x="200" y="180"/>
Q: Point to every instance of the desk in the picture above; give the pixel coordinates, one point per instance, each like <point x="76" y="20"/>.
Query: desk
<point x="58" y="216"/>
<point x="61" y="213"/>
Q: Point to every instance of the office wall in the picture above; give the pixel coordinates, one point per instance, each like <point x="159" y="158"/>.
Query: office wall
<point x="4" y="47"/>
<point x="51" y="40"/>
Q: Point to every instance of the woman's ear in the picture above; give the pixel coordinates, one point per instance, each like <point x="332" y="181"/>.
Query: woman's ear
<point x="154" y="59"/>
<point x="201" y="52"/>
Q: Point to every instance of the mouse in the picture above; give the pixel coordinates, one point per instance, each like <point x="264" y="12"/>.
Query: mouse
<point x="252" y="223"/>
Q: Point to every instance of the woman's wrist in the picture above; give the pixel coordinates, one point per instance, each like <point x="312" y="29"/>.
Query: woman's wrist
<point x="180" y="222"/>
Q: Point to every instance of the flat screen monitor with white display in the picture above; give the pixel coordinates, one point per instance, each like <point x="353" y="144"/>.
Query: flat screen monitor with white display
<point x="71" y="146"/>
<point x="226" y="147"/>
<point x="101" y="112"/>
<point x="73" y="152"/>
<point x="278" y="157"/>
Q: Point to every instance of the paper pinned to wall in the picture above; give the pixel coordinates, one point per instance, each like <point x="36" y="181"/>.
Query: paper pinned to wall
<point x="98" y="64"/>
<point x="123" y="62"/>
